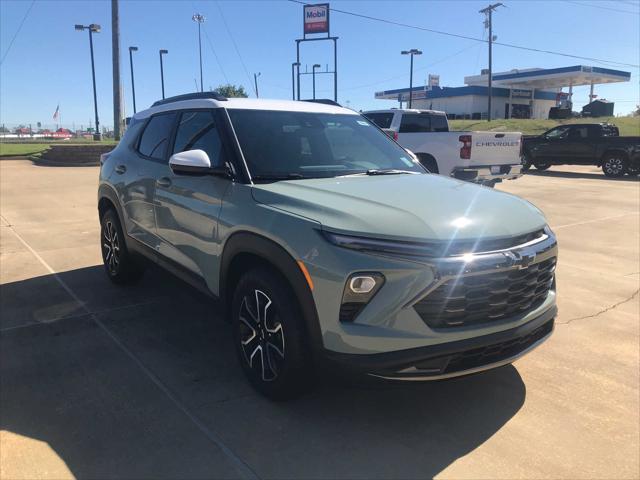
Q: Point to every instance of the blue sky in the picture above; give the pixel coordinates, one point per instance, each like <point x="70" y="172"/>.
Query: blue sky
<point x="49" y="61"/>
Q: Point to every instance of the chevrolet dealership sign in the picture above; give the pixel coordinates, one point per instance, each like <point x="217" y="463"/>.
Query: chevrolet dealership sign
<point x="316" y="18"/>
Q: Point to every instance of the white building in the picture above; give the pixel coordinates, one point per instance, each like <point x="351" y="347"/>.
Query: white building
<point x="527" y="93"/>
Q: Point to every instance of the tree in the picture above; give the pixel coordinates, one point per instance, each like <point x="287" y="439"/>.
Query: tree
<point x="231" y="91"/>
<point x="636" y="113"/>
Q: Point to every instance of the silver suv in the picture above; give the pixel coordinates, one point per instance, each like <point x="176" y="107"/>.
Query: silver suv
<point x="328" y="243"/>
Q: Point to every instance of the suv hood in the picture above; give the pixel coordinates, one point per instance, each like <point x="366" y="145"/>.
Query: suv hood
<point x="404" y="207"/>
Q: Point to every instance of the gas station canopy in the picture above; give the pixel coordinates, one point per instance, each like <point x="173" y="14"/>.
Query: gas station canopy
<point x="552" y="78"/>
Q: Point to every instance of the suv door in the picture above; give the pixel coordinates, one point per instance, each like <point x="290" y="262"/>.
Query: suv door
<point x="139" y="178"/>
<point x="187" y="206"/>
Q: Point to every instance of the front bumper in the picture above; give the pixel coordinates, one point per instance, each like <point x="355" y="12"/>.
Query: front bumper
<point x="448" y="360"/>
<point x="486" y="174"/>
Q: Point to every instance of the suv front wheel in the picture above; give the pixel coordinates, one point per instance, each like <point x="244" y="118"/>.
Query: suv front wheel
<point x="269" y="335"/>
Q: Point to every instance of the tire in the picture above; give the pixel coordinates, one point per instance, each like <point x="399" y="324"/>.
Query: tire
<point x="269" y="335"/>
<point x="120" y="265"/>
<point x="614" y="165"/>
<point x="542" y="166"/>
<point x="526" y="163"/>
<point x="429" y="163"/>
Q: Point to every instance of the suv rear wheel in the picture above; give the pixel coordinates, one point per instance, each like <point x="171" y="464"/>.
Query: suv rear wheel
<point x="269" y="335"/>
<point x="120" y="266"/>
<point x="614" y="165"/>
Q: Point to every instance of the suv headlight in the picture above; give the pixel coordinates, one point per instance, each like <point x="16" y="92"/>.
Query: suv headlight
<point x="375" y="245"/>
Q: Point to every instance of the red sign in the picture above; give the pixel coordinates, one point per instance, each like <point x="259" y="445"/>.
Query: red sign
<point x="316" y="18"/>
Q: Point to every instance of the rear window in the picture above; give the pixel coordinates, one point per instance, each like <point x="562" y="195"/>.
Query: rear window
<point x="423" y="122"/>
<point x="382" y="120"/>
<point x="155" y="137"/>
<point x="439" y="123"/>
<point x="415" y="123"/>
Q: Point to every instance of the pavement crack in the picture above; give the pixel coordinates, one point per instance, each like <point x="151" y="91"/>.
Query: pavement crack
<point x="604" y="310"/>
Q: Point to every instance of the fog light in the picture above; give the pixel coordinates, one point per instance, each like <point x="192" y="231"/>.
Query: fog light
<point x="358" y="291"/>
<point x="362" y="284"/>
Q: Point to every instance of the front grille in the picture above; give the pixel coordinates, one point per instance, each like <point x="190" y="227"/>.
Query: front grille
<point x="487" y="297"/>
<point x="497" y="352"/>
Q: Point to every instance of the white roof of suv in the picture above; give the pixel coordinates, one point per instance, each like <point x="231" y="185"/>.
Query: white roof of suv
<point x="246" y="104"/>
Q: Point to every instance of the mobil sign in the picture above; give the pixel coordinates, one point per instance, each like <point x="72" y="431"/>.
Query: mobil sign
<point x="316" y="18"/>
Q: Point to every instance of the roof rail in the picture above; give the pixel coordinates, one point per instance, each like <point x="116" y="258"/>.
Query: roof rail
<point x="191" y="96"/>
<point x="326" y="101"/>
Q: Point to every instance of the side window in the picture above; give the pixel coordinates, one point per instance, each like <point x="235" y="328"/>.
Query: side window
<point x="415" y="123"/>
<point x="197" y="131"/>
<point x="155" y="137"/>
<point x="382" y="120"/>
<point x="558" y="132"/>
<point x="577" y="133"/>
<point x="439" y="123"/>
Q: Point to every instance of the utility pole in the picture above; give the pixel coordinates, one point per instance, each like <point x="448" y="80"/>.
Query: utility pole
<point x="487" y="23"/>
<point x="255" y="81"/>
<point x="115" y="56"/>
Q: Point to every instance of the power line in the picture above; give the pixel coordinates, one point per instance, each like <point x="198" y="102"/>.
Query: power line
<point x="215" y="55"/>
<point x="235" y="46"/>
<point x="417" y="69"/>
<point x="17" y="31"/>
<point x="600" y="6"/>
<point x="466" y="37"/>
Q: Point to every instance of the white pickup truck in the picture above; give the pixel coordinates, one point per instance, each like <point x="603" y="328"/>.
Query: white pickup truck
<point x="482" y="157"/>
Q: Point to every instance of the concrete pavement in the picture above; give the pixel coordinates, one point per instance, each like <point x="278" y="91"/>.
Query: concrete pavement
<point x="142" y="382"/>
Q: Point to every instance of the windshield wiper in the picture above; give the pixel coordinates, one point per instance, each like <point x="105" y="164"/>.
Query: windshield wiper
<point x="388" y="171"/>
<point x="268" y="177"/>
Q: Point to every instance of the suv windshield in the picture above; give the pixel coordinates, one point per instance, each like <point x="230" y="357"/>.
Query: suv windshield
<point x="280" y="144"/>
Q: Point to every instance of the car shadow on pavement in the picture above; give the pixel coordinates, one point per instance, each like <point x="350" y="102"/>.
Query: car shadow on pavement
<point x="585" y="175"/>
<point x="136" y="389"/>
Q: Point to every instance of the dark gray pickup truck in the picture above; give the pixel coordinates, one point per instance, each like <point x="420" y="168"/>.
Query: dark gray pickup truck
<point x="584" y="144"/>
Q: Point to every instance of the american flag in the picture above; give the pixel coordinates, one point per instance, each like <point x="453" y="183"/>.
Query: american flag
<point x="56" y="114"/>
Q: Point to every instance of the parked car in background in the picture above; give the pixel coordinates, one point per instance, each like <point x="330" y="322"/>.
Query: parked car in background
<point x="584" y="144"/>
<point x="327" y="244"/>
<point x="481" y="157"/>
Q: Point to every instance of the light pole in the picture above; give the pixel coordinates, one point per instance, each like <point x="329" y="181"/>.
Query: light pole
<point x="255" y="81"/>
<point x="133" y="83"/>
<point x="162" y="52"/>
<point x="412" y="52"/>
<point x="199" y="19"/>
<point x="93" y="28"/>
<point x="313" y="74"/>
<point x="293" y="79"/>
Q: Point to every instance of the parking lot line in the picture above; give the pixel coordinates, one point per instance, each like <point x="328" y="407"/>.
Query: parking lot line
<point x="243" y="469"/>
<point x="594" y="220"/>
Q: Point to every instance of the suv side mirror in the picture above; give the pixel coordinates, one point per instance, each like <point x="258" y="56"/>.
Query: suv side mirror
<point x="196" y="162"/>
<point x="190" y="162"/>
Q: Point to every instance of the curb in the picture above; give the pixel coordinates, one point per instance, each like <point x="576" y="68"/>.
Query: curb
<point x="52" y="163"/>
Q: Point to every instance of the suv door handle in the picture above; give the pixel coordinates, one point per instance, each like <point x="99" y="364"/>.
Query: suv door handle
<point x="121" y="169"/>
<point x="164" y="182"/>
